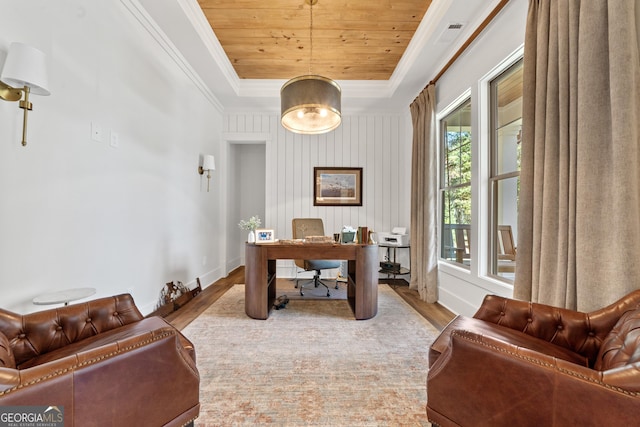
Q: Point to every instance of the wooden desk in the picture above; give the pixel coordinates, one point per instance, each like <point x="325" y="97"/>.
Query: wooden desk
<point x="260" y="274"/>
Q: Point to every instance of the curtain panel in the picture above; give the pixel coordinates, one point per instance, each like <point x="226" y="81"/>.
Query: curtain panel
<point x="579" y="206"/>
<point x="424" y="196"/>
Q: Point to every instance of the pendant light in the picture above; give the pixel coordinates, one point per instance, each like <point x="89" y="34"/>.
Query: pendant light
<point x="310" y="104"/>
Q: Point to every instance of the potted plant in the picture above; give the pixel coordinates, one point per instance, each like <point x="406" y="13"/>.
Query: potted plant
<point x="251" y="224"/>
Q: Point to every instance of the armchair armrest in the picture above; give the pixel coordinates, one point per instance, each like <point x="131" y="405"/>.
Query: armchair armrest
<point x="579" y="332"/>
<point x="34" y="334"/>
<point x="502" y="384"/>
<point x="140" y="371"/>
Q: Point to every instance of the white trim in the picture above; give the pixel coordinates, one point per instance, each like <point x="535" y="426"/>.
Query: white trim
<point x="195" y="14"/>
<point x="246" y="137"/>
<point x="268" y="88"/>
<point x="141" y="15"/>
<point x="427" y="27"/>
<point x="514" y="57"/>
<point x="452" y="106"/>
<point x="484" y="138"/>
<point x="227" y="139"/>
<point x="456" y="103"/>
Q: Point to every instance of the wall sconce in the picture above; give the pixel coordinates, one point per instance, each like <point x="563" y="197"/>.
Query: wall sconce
<point x="208" y="165"/>
<point x="24" y="72"/>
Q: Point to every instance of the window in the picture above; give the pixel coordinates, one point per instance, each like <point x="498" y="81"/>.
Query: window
<point x="455" y="185"/>
<point x="506" y="125"/>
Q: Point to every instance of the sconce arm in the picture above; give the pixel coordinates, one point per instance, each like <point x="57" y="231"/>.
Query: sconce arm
<point x="9" y="93"/>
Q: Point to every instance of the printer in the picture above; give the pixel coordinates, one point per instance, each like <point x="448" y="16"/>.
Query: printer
<point x="397" y="237"/>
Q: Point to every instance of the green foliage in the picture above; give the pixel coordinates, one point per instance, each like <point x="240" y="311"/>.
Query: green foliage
<point x="457" y="170"/>
<point x="251" y="224"/>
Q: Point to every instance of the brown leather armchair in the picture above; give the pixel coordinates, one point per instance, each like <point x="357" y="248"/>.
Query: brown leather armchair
<point x="526" y="364"/>
<point x="101" y="362"/>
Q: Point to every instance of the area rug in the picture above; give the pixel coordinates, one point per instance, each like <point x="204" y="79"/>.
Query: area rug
<point x="287" y="287"/>
<point x="312" y="364"/>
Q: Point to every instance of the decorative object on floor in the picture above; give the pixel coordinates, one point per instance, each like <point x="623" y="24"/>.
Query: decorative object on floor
<point x="84" y="356"/>
<point x="24" y="72"/>
<point x="281" y="302"/>
<point x="198" y="287"/>
<point x="310" y="104"/>
<point x="557" y="367"/>
<point x="251" y="225"/>
<point x="334" y="186"/>
<point x="175" y="295"/>
<point x="269" y="373"/>
<point x="208" y="165"/>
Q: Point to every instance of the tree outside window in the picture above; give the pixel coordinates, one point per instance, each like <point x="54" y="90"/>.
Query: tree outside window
<point x="456" y="185"/>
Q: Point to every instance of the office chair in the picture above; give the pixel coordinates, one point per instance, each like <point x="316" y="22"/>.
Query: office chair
<point x="303" y="227"/>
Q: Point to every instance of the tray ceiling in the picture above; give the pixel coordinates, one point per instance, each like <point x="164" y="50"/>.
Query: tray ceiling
<point x="352" y="40"/>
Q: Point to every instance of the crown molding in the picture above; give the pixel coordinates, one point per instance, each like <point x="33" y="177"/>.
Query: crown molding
<point x="194" y="13"/>
<point x="267" y="87"/>
<point x="141" y="15"/>
<point x="425" y="32"/>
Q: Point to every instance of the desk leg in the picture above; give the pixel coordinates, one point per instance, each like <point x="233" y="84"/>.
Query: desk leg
<point x="365" y="298"/>
<point x="256" y="280"/>
<point x="271" y="283"/>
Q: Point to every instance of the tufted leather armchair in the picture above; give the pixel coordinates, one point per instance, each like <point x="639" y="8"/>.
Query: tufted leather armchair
<point x="526" y="364"/>
<point x="102" y="362"/>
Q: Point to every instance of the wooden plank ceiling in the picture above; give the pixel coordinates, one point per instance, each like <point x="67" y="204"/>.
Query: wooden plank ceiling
<point x="352" y="39"/>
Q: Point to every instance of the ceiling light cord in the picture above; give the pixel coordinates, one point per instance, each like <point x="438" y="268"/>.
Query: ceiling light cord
<point x="310" y="35"/>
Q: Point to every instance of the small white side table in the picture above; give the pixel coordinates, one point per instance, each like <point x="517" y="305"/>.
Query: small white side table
<point x="59" y="297"/>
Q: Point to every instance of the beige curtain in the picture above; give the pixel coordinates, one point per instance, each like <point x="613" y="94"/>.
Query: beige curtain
<point x="579" y="214"/>
<point x="424" y="196"/>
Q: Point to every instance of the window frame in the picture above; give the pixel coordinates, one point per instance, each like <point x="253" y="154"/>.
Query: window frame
<point x="494" y="175"/>
<point x="457" y="104"/>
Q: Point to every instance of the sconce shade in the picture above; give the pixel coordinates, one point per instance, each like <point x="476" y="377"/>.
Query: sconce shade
<point x="26" y="66"/>
<point x="310" y="105"/>
<point x="209" y="163"/>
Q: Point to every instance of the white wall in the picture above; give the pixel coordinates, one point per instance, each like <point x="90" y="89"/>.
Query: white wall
<point x="462" y="290"/>
<point x="380" y="144"/>
<point x="247" y="199"/>
<point x="75" y="212"/>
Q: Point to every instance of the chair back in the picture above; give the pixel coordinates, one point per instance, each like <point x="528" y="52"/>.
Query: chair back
<point x="457" y="241"/>
<point x="506" y="247"/>
<point x="303" y="227"/>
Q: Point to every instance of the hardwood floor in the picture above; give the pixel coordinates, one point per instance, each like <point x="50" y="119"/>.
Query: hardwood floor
<point x="434" y="313"/>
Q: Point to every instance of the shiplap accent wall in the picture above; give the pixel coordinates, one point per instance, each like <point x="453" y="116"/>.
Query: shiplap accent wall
<point x="380" y="144"/>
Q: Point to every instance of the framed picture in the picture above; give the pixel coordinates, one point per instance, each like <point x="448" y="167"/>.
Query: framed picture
<point x="337" y="186"/>
<point x="264" y="235"/>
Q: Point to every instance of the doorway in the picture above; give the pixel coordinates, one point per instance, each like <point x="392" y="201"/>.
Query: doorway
<point x="246" y="193"/>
